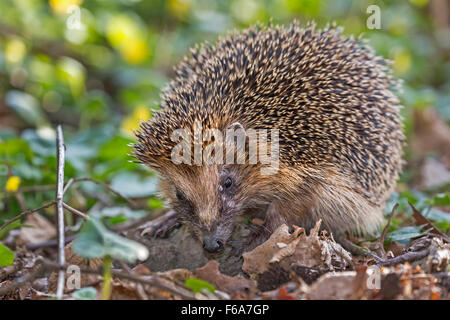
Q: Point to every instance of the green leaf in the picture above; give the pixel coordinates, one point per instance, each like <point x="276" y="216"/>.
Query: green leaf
<point x="437" y="215"/>
<point x="15" y="225"/>
<point x="95" y="241"/>
<point x="440" y="200"/>
<point x="87" y="293"/>
<point x="6" y="256"/>
<point x="14" y="147"/>
<point x="197" y="285"/>
<point x="26" y="106"/>
<point x="406" y="233"/>
<point x="121" y="211"/>
<point x="154" y="203"/>
<point x="130" y="184"/>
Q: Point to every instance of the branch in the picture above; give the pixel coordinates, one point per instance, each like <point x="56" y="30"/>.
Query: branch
<point x="406" y="257"/>
<point x="75" y="211"/>
<point x="44" y="265"/>
<point x="25" y="213"/>
<point x="60" y="150"/>
<point x="379" y="243"/>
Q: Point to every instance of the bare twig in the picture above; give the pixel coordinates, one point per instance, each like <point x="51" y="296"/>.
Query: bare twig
<point x="48" y="204"/>
<point x="25" y="213"/>
<point x="48" y="243"/>
<point x="43" y="265"/>
<point x="104" y="185"/>
<point x="60" y="150"/>
<point x="406" y="257"/>
<point x="75" y="211"/>
<point x="378" y="245"/>
<point x="139" y="287"/>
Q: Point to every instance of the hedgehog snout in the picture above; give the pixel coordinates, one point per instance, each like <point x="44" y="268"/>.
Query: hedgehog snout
<point x="212" y="243"/>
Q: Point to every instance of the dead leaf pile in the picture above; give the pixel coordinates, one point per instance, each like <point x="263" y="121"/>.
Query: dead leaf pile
<point x="287" y="250"/>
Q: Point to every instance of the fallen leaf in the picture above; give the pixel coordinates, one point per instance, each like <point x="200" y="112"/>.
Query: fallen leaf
<point x="38" y="229"/>
<point x="333" y="286"/>
<point x="231" y="285"/>
<point x="421" y="220"/>
<point x="284" y="295"/>
<point x="296" y="249"/>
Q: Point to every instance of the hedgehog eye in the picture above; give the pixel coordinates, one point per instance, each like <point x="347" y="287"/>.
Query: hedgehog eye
<point x="180" y="196"/>
<point x="228" y="183"/>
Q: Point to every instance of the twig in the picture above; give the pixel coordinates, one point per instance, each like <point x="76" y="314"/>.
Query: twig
<point x="139" y="287"/>
<point x="60" y="150"/>
<point x="379" y="243"/>
<point x="23" y="214"/>
<point x="48" y="204"/>
<point x="104" y="185"/>
<point x="44" y="265"/>
<point x="48" y="243"/>
<point x="75" y="211"/>
<point x="406" y="257"/>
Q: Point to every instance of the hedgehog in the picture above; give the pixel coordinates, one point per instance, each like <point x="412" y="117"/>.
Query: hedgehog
<point x="339" y="136"/>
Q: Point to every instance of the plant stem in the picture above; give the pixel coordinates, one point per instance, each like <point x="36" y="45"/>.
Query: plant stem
<point x="106" y="288"/>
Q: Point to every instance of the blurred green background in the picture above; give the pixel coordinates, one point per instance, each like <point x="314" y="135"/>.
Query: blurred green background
<point x="97" y="68"/>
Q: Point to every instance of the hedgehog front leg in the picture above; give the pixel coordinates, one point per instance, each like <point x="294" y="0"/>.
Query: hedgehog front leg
<point x="161" y="226"/>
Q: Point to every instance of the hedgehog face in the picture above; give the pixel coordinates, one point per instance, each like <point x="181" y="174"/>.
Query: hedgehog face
<point x="206" y="199"/>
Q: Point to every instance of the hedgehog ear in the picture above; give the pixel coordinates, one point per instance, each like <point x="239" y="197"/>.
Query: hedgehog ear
<point x="236" y="126"/>
<point x="237" y="136"/>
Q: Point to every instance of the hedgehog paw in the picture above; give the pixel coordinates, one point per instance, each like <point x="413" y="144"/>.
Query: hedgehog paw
<point x="161" y="226"/>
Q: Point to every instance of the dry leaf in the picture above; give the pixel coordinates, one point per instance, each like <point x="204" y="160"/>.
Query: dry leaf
<point x="296" y="249"/>
<point x="336" y="286"/>
<point x="231" y="285"/>
<point x="38" y="229"/>
<point x="439" y="257"/>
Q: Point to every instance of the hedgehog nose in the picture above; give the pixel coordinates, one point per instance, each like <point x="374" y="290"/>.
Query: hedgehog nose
<point x="212" y="244"/>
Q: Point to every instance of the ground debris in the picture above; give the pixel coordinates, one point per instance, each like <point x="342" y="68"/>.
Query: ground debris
<point x="297" y="249"/>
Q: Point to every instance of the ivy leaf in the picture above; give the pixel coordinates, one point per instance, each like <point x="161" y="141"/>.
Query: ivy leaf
<point x="6" y="256"/>
<point x="130" y="184"/>
<point x="197" y="285"/>
<point x="87" y="293"/>
<point x="96" y="241"/>
<point x="407" y="233"/>
<point x="440" y="200"/>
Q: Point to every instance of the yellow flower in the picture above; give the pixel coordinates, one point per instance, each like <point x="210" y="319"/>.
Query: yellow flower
<point x="15" y="50"/>
<point x="402" y="61"/>
<point x="180" y="8"/>
<point x="136" y="51"/>
<point x="12" y="184"/>
<point x="61" y="6"/>
<point x="131" y="122"/>
<point x="128" y="37"/>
